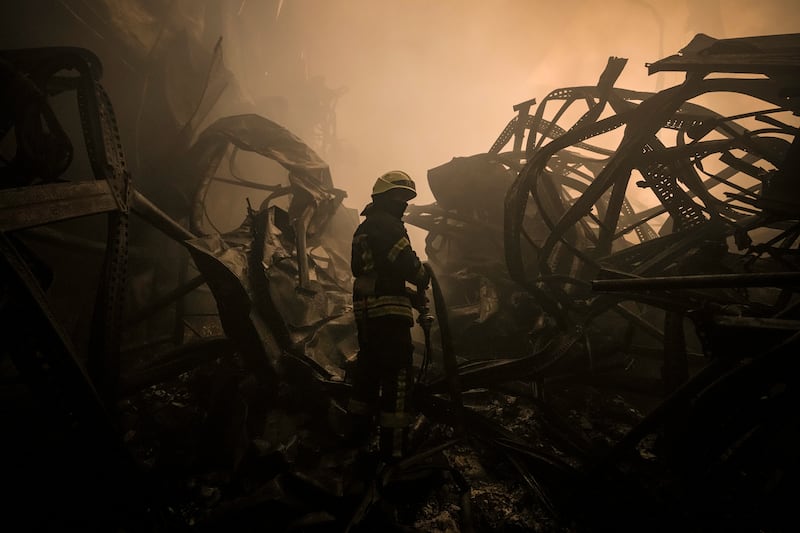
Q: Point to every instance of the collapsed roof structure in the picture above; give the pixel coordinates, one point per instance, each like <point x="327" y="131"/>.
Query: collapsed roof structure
<point x="216" y="361"/>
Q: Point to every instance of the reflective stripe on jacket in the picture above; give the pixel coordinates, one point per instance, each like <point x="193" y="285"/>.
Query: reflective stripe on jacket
<point x="378" y="306"/>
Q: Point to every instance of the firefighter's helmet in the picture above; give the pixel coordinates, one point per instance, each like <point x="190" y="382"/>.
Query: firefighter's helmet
<point x="396" y="180"/>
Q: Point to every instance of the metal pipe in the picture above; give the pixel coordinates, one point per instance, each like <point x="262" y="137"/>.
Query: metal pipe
<point x="704" y="281"/>
<point x="160" y="220"/>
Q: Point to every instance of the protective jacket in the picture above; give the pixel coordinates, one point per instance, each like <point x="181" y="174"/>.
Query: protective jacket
<point x="382" y="262"/>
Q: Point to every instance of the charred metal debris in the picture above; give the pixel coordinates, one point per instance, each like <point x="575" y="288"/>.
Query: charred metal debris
<point x="615" y="292"/>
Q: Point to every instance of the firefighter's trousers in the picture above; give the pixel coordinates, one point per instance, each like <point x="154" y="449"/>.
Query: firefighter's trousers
<point x="382" y="383"/>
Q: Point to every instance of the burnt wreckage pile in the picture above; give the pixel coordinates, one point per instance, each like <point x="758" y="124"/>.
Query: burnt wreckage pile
<point x="630" y="253"/>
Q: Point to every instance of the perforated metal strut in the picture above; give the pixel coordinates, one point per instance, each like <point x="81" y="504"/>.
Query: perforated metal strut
<point x="107" y="158"/>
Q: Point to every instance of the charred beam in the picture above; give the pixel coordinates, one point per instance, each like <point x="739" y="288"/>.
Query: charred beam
<point x="25" y="207"/>
<point x="146" y="209"/>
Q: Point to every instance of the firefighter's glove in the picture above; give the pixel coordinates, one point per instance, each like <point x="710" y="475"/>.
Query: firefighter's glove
<point x="418" y="299"/>
<point x="423" y="279"/>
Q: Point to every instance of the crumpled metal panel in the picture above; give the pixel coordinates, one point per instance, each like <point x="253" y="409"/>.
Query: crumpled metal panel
<point x="225" y="269"/>
<point x="299" y="295"/>
<point x="255" y="133"/>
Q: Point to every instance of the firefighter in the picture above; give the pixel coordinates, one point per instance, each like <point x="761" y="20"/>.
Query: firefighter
<point x="382" y="262"/>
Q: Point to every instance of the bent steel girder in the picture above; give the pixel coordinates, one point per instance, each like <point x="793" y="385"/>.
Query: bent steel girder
<point x="615" y="174"/>
<point x="584" y="205"/>
<point x="42" y="68"/>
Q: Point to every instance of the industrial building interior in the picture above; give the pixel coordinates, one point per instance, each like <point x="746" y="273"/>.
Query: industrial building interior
<point x="605" y="203"/>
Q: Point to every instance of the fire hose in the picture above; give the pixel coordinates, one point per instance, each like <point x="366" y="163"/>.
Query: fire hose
<point x="425" y="320"/>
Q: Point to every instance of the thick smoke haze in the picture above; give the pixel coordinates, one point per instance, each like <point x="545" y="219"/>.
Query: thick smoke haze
<point x="418" y="82"/>
<point x="427" y="81"/>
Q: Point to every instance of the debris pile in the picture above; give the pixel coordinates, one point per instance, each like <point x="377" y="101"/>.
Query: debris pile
<point x="657" y="260"/>
<point x="615" y="298"/>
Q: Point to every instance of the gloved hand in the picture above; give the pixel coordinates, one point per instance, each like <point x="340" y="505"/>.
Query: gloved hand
<point x="424" y="278"/>
<point x="418" y="298"/>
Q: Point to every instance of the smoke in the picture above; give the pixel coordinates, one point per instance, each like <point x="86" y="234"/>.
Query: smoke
<point x="417" y="82"/>
<point x="427" y="81"/>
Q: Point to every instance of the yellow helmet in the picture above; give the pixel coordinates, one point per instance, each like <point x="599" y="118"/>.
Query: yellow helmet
<point x="395" y="180"/>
